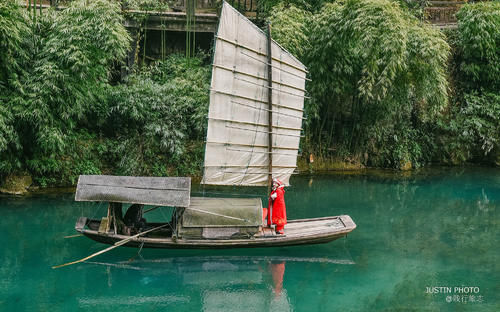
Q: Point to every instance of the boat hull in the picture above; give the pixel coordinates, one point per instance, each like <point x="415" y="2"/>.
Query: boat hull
<point x="297" y="232"/>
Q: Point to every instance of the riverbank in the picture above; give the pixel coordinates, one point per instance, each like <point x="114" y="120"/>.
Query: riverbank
<point x="23" y="185"/>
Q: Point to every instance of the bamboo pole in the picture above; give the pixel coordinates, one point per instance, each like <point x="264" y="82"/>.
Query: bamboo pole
<point x="117" y="244"/>
<point x="34" y="14"/>
<point x="145" y="38"/>
<point x="71" y="236"/>
<point x="270" y="113"/>
<point x="218" y="215"/>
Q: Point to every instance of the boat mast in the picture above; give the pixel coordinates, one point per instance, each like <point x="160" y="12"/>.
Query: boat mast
<point x="270" y="108"/>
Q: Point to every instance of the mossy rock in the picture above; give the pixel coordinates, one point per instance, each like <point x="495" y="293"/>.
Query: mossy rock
<point x="16" y="184"/>
<point x="329" y="164"/>
<point x="405" y="165"/>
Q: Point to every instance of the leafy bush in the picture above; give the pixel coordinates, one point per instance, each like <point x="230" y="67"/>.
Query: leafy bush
<point x="471" y="130"/>
<point x="373" y="67"/>
<point x="157" y="111"/>
<point x="145" y="5"/>
<point x="289" y="28"/>
<point x="73" y="51"/>
<point x="57" y="65"/>
<point x="480" y="121"/>
<point x="13" y="33"/>
<point x="268" y="8"/>
<point x="474" y="128"/>
<point x="479" y="45"/>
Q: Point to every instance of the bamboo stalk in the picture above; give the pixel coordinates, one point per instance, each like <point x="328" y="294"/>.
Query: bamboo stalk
<point x="145" y="37"/>
<point x="162" y="39"/>
<point x="193" y="27"/>
<point x="34" y="13"/>
<point x="117" y="244"/>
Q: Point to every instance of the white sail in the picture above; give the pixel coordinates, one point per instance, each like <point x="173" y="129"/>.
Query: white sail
<point x="237" y="139"/>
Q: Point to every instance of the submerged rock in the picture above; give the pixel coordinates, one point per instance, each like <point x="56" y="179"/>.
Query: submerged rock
<point x="16" y="184"/>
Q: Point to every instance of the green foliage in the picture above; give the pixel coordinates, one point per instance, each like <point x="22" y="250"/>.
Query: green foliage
<point x="479" y="45"/>
<point x="289" y="28"/>
<point x="401" y="144"/>
<point x="374" y="66"/>
<point x="369" y="45"/>
<point x="56" y="67"/>
<point x="471" y="130"/>
<point x="480" y="118"/>
<point x="157" y="111"/>
<point x="378" y="91"/>
<point x="145" y="5"/>
<point x="269" y="8"/>
<point x="73" y="51"/>
<point x="474" y="130"/>
<point x="80" y="156"/>
<point x="414" y="7"/>
<point x="70" y="56"/>
<point x="60" y="116"/>
<point x="13" y="30"/>
<point x="380" y="80"/>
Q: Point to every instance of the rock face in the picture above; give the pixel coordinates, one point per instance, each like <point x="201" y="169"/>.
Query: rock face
<point x="16" y="184"/>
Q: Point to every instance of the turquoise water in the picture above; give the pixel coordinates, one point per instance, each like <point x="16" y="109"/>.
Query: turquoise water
<point x="432" y="228"/>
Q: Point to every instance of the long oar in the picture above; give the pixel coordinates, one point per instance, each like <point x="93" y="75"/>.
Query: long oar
<point x="117" y="244"/>
<point x="71" y="236"/>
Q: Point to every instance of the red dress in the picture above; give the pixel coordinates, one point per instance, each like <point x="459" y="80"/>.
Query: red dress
<point x="279" y="209"/>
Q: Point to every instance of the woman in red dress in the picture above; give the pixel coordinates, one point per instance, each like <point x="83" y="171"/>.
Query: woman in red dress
<point x="277" y="204"/>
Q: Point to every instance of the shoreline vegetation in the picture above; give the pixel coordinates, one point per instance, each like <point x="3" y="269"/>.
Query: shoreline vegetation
<point x="20" y="189"/>
<point x="388" y="91"/>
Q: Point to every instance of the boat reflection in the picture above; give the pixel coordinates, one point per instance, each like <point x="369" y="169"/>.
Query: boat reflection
<point x="211" y="283"/>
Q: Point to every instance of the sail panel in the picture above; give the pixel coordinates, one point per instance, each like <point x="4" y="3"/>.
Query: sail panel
<point x="238" y="134"/>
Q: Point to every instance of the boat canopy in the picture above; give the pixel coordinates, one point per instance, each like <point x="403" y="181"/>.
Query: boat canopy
<point x="223" y="212"/>
<point x="171" y="191"/>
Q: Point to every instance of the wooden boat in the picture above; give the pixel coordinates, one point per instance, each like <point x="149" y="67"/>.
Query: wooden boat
<point x="198" y="222"/>
<point x="254" y="130"/>
<point x="298" y="232"/>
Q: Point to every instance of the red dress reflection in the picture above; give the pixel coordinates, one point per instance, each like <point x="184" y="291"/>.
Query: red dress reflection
<point x="278" y="271"/>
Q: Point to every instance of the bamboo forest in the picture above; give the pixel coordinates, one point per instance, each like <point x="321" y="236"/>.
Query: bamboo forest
<point x="387" y="89"/>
